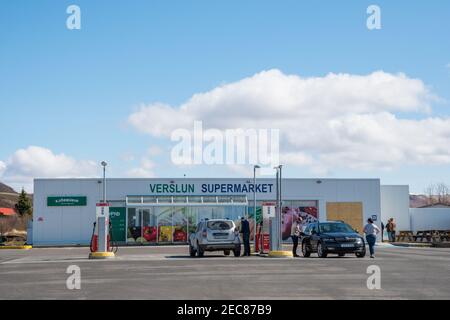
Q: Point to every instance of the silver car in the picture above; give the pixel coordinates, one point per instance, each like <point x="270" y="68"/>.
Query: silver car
<point x="215" y="235"/>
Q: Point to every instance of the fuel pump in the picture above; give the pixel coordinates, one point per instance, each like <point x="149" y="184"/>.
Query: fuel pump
<point x="101" y="247"/>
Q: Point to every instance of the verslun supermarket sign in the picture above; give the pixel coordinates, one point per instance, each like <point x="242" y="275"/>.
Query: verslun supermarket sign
<point x="210" y="188"/>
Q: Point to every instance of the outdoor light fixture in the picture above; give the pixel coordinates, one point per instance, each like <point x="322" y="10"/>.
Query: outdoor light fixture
<point x="254" y="203"/>
<point x="104" y="164"/>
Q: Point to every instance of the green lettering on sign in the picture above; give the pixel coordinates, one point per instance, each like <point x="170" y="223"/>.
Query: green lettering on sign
<point x="172" y="188"/>
<point x="68" y="201"/>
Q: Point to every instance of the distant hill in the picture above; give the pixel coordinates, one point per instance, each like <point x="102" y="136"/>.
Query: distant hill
<point x="417" y="200"/>
<point x="6" y="189"/>
<point x="8" y="196"/>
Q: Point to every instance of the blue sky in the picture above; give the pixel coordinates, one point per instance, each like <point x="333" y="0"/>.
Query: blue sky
<point x="72" y="91"/>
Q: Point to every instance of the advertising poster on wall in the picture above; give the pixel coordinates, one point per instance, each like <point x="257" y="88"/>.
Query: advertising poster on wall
<point x="307" y="210"/>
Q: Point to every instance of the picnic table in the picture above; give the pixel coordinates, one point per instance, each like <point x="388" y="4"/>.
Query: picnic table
<point x="432" y="235"/>
<point x="402" y="235"/>
<point x="424" y="235"/>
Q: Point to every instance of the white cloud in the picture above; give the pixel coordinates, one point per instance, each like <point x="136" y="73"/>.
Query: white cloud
<point x="2" y="168"/>
<point x="37" y="162"/>
<point x="127" y="157"/>
<point x="144" y="118"/>
<point x="154" y="151"/>
<point x="339" y="120"/>
<point x="146" y="164"/>
<point x="241" y="170"/>
<point x="297" y="158"/>
<point x="145" y="170"/>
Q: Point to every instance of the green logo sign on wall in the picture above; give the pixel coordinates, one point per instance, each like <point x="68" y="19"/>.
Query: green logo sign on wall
<point x="66" y="201"/>
<point x="118" y="223"/>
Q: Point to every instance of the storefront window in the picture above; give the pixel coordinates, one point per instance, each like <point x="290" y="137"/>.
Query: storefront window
<point x="164" y="216"/>
<point x="149" y="226"/>
<point x="164" y="224"/>
<point x="134" y="226"/>
<point x="180" y="224"/>
<point x="191" y="215"/>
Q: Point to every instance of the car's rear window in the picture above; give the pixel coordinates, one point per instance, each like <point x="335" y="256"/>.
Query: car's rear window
<point x="220" y="225"/>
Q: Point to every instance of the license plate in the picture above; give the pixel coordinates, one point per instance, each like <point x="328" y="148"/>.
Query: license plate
<point x="220" y="235"/>
<point x="347" y="245"/>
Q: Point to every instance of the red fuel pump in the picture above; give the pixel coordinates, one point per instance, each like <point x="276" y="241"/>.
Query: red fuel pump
<point x="111" y="247"/>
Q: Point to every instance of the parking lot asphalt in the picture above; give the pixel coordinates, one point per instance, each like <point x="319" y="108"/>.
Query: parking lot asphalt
<point x="169" y="273"/>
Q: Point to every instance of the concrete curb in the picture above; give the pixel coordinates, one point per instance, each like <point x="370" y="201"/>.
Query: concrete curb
<point x="412" y="245"/>
<point x="102" y="255"/>
<point x="26" y="247"/>
<point x="388" y="245"/>
<point x="441" y="245"/>
<point x="280" y="254"/>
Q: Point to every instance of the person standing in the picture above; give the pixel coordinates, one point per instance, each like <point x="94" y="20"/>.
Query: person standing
<point x="245" y="230"/>
<point x="382" y="231"/>
<point x="393" y="229"/>
<point x="371" y="230"/>
<point x="295" y="234"/>
<point x="390" y="228"/>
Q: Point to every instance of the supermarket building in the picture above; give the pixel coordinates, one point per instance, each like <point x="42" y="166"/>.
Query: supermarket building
<point x="164" y="211"/>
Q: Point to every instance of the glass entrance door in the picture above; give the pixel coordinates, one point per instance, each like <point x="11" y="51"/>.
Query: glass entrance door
<point x="134" y="226"/>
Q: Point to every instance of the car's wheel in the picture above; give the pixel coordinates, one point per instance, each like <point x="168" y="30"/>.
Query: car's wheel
<point x="305" y="250"/>
<point x="341" y="254"/>
<point x="360" y="254"/>
<point x="200" y="251"/>
<point x="226" y="252"/>
<point x="321" y="251"/>
<point x="237" y="252"/>
<point x="192" y="251"/>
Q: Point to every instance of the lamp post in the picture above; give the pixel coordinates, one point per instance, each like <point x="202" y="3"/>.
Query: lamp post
<point x="274" y="228"/>
<point x="280" y="199"/>
<point x="254" y="204"/>
<point x="276" y="237"/>
<point x="104" y="164"/>
<point x="101" y="226"/>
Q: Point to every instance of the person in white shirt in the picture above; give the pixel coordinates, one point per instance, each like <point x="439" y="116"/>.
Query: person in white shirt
<point x="295" y="234"/>
<point x="371" y="230"/>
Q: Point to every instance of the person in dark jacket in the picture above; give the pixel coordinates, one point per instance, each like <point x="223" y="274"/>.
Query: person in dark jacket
<point x="245" y="230"/>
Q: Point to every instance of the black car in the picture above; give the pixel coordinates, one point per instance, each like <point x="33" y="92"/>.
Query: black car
<point x="332" y="237"/>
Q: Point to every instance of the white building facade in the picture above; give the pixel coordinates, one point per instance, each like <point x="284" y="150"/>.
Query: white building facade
<point x="165" y="211"/>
